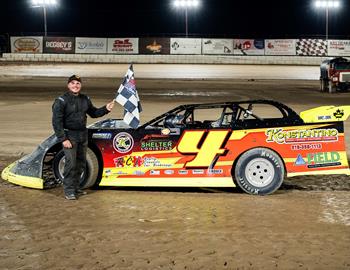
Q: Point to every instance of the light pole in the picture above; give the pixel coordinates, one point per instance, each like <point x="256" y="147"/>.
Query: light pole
<point x="44" y="4"/>
<point x="186" y="4"/>
<point x="327" y="4"/>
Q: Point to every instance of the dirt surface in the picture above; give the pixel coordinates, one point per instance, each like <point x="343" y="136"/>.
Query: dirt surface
<point x="304" y="225"/>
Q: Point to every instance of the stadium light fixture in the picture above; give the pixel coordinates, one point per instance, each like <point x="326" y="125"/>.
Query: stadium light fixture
<point x="327" y="5"/>
<point x="186" y="4"/>
<point x="44" y="4"/>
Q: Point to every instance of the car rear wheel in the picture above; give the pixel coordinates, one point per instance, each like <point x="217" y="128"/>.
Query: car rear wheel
<point x="259" y="171"/>
<point x="88" y="177"/>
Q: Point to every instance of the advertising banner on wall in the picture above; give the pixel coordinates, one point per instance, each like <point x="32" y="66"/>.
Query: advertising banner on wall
<point x="339" y="47"/>
<point x="154" y="45"/>
<point x="59" y="45"/>
<point x="249" y="47"/>
<point x="311" y="47"/>
<point x="26" y="44"/>
<point x="123" y="45"/>
<point x="185" y="46"/>
<point x="217" y="46"/>
<point x="280" y="47"/>
<point x="90" y="45"/>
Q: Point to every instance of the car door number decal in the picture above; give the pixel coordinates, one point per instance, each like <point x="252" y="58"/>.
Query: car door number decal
<point x="210" y="148"/>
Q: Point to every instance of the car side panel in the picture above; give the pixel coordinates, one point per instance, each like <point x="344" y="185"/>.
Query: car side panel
<point x="305" y="149"/>
<point x="205" y="157"/>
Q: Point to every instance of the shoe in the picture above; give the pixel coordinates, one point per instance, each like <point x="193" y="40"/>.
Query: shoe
<point x="70" y="197"/>
<point x="80" y="192"/>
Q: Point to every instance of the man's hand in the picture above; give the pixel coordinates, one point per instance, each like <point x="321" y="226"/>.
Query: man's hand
<point x="110" y="105"/>
<point x="67" y="144"/>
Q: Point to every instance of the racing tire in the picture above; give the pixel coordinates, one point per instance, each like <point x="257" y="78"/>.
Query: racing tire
<point x="259" y="171"/>
<point x="88" y="177"/>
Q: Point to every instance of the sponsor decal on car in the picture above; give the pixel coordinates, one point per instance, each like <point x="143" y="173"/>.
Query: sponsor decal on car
<point x="165" y="131"/>
<point x="280" y="136"/>
<point x="299" y="161"/>
<point x="128" y="161"/>
<point x="182" y="172"/>
<point x="215" y="171"/>
<point x="156" y="145"/>
<point x="154" y="162"/>
<point x="323" y="159"/>
<point x="317" y="160"/>
<point x="324" y="117"/>
<point x="138" y="161"/>
<point x="306" y="146"/>
<point x="197" y="171"/>
<point x="169" y="171"/>
<point x="120" y="173"/>
<point x="154" y="172"/>
<point x="103" y="136"/>
<point x="338" y="113"/>
<point x="123" y="142"/>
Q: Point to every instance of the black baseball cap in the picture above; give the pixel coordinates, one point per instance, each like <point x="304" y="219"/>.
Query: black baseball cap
<point x="74" y="78"/>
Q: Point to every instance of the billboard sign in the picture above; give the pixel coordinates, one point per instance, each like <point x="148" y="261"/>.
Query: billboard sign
<point x="185" y="46"/>
<point x="26" y="44"/>
<point x="339" y="47"/>
<point x="217" y="46"/>
<point x="249" y="47"/>
<point x="123" y="45"/>
<point x="154" y="45"/>
<point x="59" y="45"/>
<point x="90" y="45"/>
<point x="279" y="46"/>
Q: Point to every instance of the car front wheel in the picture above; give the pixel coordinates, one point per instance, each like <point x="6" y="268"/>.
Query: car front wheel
<point x="259" y="171"/>
<point x="87" y="178"/>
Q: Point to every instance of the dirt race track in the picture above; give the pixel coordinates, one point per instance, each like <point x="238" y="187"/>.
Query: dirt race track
<point x="305" y="225"/>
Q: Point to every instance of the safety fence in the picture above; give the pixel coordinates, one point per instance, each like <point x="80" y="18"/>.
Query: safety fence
<point x="178" y="46"/>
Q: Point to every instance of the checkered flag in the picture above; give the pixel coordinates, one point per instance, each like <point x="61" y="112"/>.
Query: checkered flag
<point x="311" y="47"/>
<point x="127" y="97"/>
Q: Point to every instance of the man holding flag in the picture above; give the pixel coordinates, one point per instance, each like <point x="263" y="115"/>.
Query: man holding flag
<point x="127" y="97"/>
<point x="69" y="123"/>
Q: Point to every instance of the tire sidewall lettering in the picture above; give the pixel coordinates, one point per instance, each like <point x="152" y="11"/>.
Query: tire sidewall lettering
<point x="270" y="156"/>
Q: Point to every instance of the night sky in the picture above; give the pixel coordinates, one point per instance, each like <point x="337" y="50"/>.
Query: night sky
<point x="158" y="18"/>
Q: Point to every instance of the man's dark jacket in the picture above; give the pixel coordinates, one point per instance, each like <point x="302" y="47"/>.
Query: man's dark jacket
<point x="69" y="115"/>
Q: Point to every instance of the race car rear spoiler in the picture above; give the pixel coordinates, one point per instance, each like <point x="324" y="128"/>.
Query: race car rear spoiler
<point x="326" y="114"/>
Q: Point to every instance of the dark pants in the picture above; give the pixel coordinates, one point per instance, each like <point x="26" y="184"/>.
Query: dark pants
<point x="75" y="163"/>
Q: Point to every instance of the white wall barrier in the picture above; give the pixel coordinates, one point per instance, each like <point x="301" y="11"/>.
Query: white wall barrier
<point x="165" y="59"/>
